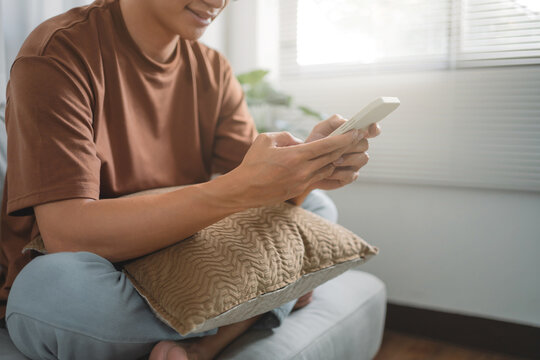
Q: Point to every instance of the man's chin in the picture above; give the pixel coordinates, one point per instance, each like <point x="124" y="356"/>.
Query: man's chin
<point x="192" y="34"/>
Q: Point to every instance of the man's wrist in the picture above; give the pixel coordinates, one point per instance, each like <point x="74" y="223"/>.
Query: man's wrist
<point x="299" y="200"/>
<point x="226" y="192"/>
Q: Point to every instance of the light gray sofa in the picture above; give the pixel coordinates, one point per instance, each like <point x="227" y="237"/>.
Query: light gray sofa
<point x="344" y="321"/>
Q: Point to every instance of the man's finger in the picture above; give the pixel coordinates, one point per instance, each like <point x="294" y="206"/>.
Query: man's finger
<point x="344" y="175"/>
<point x="373" y="130"/>
<point x="327" y="145"/>
<point x="326" y="159"/>
<point x="325" y="128"/>
<point x="361" y="146"/>
<point x="355" y="160"/>
<point x="322" y="174"/>
<point x="330" y="124"/>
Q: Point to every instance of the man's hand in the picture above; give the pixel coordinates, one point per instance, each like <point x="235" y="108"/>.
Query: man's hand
<point x="354" y="158"/>
<point x="348" y="165"/>
<point x="278" y="167"/>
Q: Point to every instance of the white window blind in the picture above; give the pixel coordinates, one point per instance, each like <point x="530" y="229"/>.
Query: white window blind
<point x="499" y="32"/>
<point x="332" y="36"/>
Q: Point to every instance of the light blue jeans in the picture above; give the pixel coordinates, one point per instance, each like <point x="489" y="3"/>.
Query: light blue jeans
<point x="79" y="306"/>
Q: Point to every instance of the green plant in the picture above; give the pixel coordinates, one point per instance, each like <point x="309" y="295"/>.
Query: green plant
<point x="259" y="91"/>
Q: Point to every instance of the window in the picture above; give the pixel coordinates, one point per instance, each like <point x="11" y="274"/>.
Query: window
<point x="478" y="127"/>
<point x="351" y="35"/>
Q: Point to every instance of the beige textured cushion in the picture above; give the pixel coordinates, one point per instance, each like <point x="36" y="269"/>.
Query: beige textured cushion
<point x="243" y="265"/>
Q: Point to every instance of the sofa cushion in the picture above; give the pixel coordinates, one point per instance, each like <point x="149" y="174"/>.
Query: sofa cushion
<point x="344" y="321"/>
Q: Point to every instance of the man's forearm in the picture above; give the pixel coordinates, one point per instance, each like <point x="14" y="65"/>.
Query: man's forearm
<point x="125" y="228"/>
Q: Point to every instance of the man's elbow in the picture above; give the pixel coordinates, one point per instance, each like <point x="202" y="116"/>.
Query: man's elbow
<point x="53" y="244"/>
<point x="59" y="225"/>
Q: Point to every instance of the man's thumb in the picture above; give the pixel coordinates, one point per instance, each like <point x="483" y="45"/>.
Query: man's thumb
<point x="285" y="138"/>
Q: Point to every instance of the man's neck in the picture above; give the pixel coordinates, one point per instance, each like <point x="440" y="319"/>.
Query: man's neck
<point x="152" y="38"/>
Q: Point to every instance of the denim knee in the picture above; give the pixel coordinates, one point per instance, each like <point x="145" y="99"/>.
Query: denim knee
<point x="77" y="303"/>
<point x="42" y="283"/>
<point x="53" y="287"/>
<point x="80" y="292"/>
<point x="319" y="203"/>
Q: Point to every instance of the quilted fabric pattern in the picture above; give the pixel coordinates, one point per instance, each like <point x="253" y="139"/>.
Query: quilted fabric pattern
<point x="239" y="258"/>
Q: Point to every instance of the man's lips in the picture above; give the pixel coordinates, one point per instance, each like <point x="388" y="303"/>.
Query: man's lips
<point x="202" y="17"/>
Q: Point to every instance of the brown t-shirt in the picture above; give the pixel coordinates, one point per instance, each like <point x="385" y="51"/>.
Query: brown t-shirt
<point x="90" y="116"/>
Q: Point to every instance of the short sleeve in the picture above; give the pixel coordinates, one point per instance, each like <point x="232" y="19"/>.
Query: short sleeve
<point x="235" y="130"/>
<point x="51" y="153"/>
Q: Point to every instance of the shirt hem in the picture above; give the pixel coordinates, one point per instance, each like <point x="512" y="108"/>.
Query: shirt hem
<point x="22" y="206"/>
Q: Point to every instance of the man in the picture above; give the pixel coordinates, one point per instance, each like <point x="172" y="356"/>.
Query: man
<point x="115" y="98"/>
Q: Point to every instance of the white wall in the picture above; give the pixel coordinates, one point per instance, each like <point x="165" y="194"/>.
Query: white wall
<point x="466" y="250"/>
<point x="460" y="250"/>
<point x="253" y="35"/>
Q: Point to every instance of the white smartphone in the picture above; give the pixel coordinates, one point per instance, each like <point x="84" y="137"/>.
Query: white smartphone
<point x="374" y="112"/>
